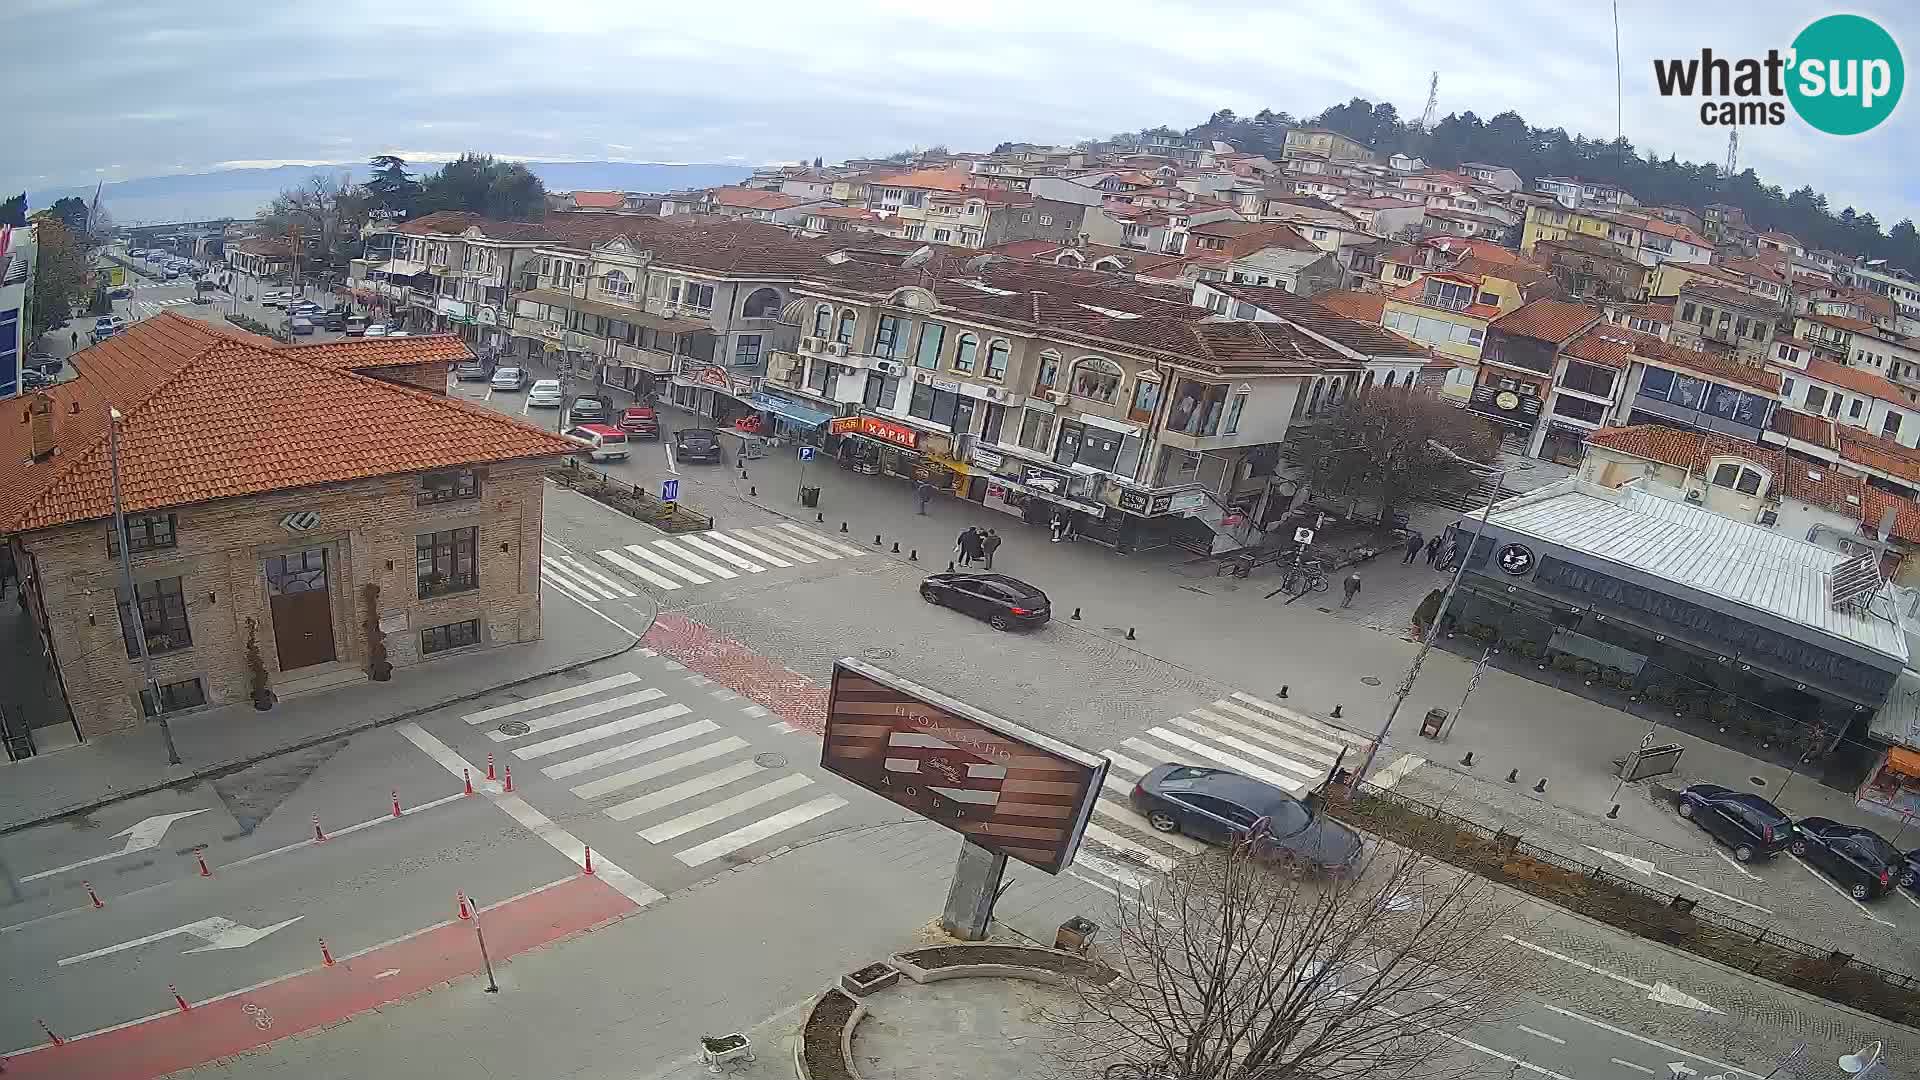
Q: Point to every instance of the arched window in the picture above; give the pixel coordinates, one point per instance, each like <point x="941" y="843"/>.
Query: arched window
<point x="964" y="353"/>
<point x="617" y="284"/>
<point x="822" y="321"/>
<point x="1390" y="377"/>
<point x="1368" y="384"/>
<point x="761" y="304"/>
<point x="845" y="334"/>
<point x="1049" y="373"/>
<point x="1097" y="378"/>
<point x="997" y="359"/>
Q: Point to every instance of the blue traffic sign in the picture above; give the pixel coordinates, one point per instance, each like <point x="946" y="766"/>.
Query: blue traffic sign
<point x="669" y="490"/>
<point x="806" y="453"/>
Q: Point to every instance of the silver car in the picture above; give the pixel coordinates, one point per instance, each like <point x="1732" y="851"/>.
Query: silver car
<point x="509" y="378"/>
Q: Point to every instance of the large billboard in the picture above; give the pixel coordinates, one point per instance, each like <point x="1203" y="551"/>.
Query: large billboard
<point x="1003" y="786"/>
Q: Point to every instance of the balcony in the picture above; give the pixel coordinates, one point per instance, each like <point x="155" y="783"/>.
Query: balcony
<point x="660" y="363"/>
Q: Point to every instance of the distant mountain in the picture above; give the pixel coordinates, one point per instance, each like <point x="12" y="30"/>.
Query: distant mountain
<point x="237" y="193"/>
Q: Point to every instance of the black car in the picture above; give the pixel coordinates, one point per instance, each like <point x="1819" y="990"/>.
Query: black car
<point x="472" y="371"/>
<point x="587" y="410"/>
<point x="1002" y="601"/>
<point x="1222" y="807"/>
<point x="1909" y="872"/>
<point x="698" y="444"/>
<point x="1753" y="827"/>
<point x="1860" y="859"/>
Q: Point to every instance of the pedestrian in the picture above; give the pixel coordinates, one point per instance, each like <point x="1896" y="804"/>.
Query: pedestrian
<point x="964" y="545"/>
<point x="1414" y="541"/>
<point x="989" y="544"/>
<point x="1433" y="549"/>
<point x="1351" y="587"/>
<point x="924" y="492"/>
<point x="1059" y="526"/>
<point x="75" y="337"/>
<point x="977" y="548"/>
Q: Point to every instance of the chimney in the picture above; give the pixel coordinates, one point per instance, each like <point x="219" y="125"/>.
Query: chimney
<point x="40" y="425"/>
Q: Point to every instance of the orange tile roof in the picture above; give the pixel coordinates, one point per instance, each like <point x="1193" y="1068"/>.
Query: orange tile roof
<point x="599" y="200"/>
<point x="1841" y="322"/>
<point x="1874" y="452"/>
<point x="1721" y="294"/>
<point x="1353" y="303"/>
<point x="1603" y="344"/>
<point x="1875" y="503"/>
<point x="1858" y="380"/>
<point x="1683" y="449"/>
<point x="358" y="354"/>
<point x="210" y="415"/>
<point x="1648" y="347"/>
<point x="1546" y="320"/>
<point x="754" y="198"/>
<point x="1821" y="485"/>
<point x="1806" y="427"/>
<point x="935" y="179"/>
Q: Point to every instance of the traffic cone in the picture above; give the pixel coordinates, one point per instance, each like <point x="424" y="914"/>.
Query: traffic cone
<point x="589" y="862"/>
<point x="202" y="857"/>
<point x="467" y="775"/>
<point x="318" y="836"/>
<point x="509" y="775"/>
<point x="490" y="765"/>
<point x="396" y="802"/>
<point x="177" y="999"/>
<point x="55" y="1039"/>
<point x="465" y="915"/>
<point x="326" y="955"/>
<point x="93" y="896"/>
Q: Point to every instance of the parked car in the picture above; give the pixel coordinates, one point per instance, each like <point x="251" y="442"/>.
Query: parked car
<point x="472" y="371"/>
<point x="120" y="292"/>
<point x="1222" y="807"/>
<point x="698" y="444"/>
<point x="545" y="394"/>
<point x="1858" y="858"/>
<point x="106" y="326"/>
<point x="378" y="329"/>
<point x="1004" y="602"/>
<point x="1910" y="870"/>
<point x="640" y="422"/>
<point x="604" y="443"/>
<point x="332" y="320"/>
<point x="273" y="299"/>
<point x="300" y="326"/>
<point x="509" y="378"/>
<point x="587" y="410"/>
<point x="1753" y="827"/>
<point x="356" y="326"/>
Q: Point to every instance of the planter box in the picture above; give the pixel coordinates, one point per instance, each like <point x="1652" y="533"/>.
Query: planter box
<point x="870" y="979"/>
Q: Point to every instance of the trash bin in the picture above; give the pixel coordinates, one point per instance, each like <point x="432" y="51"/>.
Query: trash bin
<point x="810" y="497"/>
<point x="1435" y="720"/>
<point x="1076" y="934"/>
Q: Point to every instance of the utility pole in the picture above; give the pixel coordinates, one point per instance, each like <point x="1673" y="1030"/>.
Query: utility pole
<point x="1433" y="102"/>
<point x="1733" y="152"/>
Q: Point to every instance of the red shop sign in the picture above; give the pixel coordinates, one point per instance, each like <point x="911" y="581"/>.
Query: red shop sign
<point x="897" y="434"/>
<point x="714" y="376"/>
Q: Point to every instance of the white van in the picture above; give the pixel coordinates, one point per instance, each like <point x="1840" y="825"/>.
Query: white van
<point x="604" y="443"/>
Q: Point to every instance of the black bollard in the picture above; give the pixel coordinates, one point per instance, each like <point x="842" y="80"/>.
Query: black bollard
<point x="753" y="491"/>
<point x="1076" y="614"/>
<point x="821" y="518"/>
<point x="1513" y="776"/>
<point x="1541" y="787"/>
<point x="949" y="566"/>
<point x="1614" y="814"/>
<point x="1283" y="692"/>
<point x="876" y="539"/>
<point x="843" y="526"/>
<point x="1336" y="711"/>
<point x="896" y="547"/>
<point x="1130" y="636"/>
<point x="914" y="555"/>
<point x="1467" y="762"/>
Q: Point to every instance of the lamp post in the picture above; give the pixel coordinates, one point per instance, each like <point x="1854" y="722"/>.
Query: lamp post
<point x="1453" y="584"/>
<point x="1865" y="1062"/>
<point x="134" y="621"/>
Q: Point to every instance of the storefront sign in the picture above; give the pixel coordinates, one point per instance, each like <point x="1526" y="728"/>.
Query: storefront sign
<point x="988" y="459"/>
<point x="1133" y="502"/>
<point x="1516" y="559"/>
<point x="488" y="315"/>
<point x="1160" y="505"/>
<point x="448" y="306"/>
<point x="843" y="425"/>
<point x="713" y="376"/>
<point x="951" y="386"/>
<point x="897" y="434"/>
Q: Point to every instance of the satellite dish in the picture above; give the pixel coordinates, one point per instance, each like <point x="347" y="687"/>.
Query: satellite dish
<point x="918" y="258"/>
<point x="981" y="262"/>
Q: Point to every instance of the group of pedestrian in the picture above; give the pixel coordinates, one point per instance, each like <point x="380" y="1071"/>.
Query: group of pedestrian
<point x="1062" y="527"/>
<point x="1439" y="549"/>
<point x="977" y="546"/>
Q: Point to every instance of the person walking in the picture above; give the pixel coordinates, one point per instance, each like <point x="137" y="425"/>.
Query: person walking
<point x="76" y="341"/>
<point x="1414" y="540"/>
<point x="964" y="545"/>
<point x="1433" y="549"/>
<point x="989" y="544"/>
<point x="1351" y="587"/>
<point x="1059" y="526"/>
<point x="924" y="492"/>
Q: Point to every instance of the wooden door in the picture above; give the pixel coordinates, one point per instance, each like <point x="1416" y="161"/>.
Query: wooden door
<point x="302" y="608"/>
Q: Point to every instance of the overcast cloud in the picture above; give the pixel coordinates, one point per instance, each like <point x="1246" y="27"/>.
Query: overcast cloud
<point x="115" y="89"/>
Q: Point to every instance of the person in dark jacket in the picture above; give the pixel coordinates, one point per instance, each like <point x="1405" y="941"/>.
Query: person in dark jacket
<point x="1413" y="547"/>
<point x="967" y="546"/>
<point x="989" y="543"/>
<point x="1351" y="587"/>
<point x="1433" y="549"/>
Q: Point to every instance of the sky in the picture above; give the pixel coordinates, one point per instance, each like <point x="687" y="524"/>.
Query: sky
<point x="120" y="90"/>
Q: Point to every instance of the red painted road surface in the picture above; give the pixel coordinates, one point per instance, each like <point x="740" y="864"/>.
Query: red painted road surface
<point x="792" y="696"/>
<point x="323" y="996"/>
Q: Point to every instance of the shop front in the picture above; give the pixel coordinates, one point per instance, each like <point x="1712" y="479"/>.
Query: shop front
<point x="1034" y="492"/>
<point x="714" y="393"/>
<point x="786" y="417"/>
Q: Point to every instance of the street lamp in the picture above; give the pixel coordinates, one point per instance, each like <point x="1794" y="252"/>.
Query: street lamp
<point x="134" y="621"/>
<point x="1453" y="583"/>
<point x="1864" y="1061"/>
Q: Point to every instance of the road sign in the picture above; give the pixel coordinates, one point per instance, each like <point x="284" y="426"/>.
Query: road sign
<point x="218" y="932"/>
<point x="806" y="453"/>
<point x="669" y="490"/>
<point x="1303" y="535"/>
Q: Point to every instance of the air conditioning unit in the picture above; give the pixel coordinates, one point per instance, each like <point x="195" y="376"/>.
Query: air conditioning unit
<point x="890" y="367"/>
<point x="808" y="344"/>
<point x="1058" y="397"/>
<point x="995" y="393"/>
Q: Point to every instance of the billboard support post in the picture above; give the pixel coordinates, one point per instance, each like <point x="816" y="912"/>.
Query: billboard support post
<point x="976" y="885"/>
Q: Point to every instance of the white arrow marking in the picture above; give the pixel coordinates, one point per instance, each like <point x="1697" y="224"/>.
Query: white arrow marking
<point x="1664" y="993"/>
<point x="1646" y="868"/>
<point x="217" y="931"/>
<point x="140" y="837"/>
<point x="1680" y="1069"/>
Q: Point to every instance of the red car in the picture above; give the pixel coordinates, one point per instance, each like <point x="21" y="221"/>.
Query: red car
<point x="640" y="423"/>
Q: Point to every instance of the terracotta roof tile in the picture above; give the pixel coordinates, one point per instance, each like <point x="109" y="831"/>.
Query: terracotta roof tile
<point x="754" y="198"/>
<point x="1715" y="367"/>
<point x="1546" y="320"/>
<point x="1858" y="380"/>
<point x="1876" y="453"/>
<point x="1691" y="450"/>
<point x="1819" y="484"/>
<point x="1806" y="427"/>
<point x="1354" y="304"/>
<point x="1875" y="503"/>
<point x="1720" y="294"/>
<point x="211" y="416"/>
<point x="1603" y="344"/>
<point x="1367" y="338"/>
<point x="1841" y="322"/>
<point x="599" y="200"/>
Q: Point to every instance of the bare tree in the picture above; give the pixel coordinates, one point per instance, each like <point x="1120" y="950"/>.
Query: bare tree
<point x="1373" y="445"/>
<point x="1231" y="968"/>
<point x="329" y="212"/>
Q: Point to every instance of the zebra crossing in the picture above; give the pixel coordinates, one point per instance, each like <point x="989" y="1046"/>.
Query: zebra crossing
<point x="687" y="560"/>
<point x="1247" y="734"/>
<point x="684" y="781"/>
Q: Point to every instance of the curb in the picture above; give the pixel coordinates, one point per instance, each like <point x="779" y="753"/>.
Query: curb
<point x="236" y="764"/>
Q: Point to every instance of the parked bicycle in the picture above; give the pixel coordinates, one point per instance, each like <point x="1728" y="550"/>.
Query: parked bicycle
<point x="1305" y="576"/>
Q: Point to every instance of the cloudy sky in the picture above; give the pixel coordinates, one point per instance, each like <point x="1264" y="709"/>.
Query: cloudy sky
<point x="118" y="89"/>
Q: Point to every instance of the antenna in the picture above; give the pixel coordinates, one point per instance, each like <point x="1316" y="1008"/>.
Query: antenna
<point x="1433" y="102"/>
<point x="1619" y="108"/>
<point x="1733" y="151"/>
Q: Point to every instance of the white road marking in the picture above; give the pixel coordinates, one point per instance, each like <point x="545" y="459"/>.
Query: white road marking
<point x="1735" y="863"/>
<point x="560" y="575"/>
<point x="1126" y="764"/>
<point x="721" y="553"/>
<point x="1137" y="879"/>
<point x="787" y="551"/>
<point x="571" y="592"/>
<point x="686" y="789"/>
<point x="1125" y="816"/>
<point x="348" y="831"/>
<point x="142" y="835"/>
<point x="1538" y="1034"/>
<point x="705" y="564"/>
<point x="534" y="821"/>
<point x="1309" y="733"/>
<point x="1320" y="756"/>
<point x="765" y="533"/>
<point x="1239" y="764"/>
<point x="1664" y="993"/>
<point x="738" y="545"/>
<point x="1670" y="1048"/>
<point x="637" y="570"/>
<point x="1829" y="884"/>
<point x="669" y="567"/>
<point x="1298" y="717"/>
<point x="1308" y="772"/>
<point x="387" y="974"/>
<point x="581" y="712"/>
<point x="514" y="708"/>
<point x="654" y="769"/>
<point x="1158" y="754"/>
<point x="816" y="540"/>
<point x="726" y="808"/>
<point x="1107" y="837"/>
<point x="600" y="731"/>
<point x="590" y="573"/>
<point x="1631" y="1065"/>
<point x="554" y="544"/>
<point x="760" y="830"/>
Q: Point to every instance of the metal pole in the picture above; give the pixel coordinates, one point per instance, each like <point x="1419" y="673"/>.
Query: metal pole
<point x="803" y="479"/>
<point x="480" y="936"/>
<point x="126" y="583"/>
<point x="1433" y="631"/>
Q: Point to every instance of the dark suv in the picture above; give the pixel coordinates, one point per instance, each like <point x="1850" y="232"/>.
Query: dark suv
<point x="1859" y="859"/>
<point x="1753" y="827"/>
<point x="587" y="410"/>
<point x="698" y="444"/>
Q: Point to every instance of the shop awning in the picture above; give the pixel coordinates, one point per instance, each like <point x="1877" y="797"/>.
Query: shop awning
<point x="790" y="410"/>
<point x="1904" y="761"/>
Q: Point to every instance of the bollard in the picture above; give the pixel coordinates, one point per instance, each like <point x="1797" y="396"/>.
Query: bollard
<point x="326" y="955"/>
<point x="509" y="775"/>
<point x="1513" y="776"/>
<point x="55" y="1039"/>
<point x="949" y="566"/>
<point x="490" y="775"/>
<point x="876" y="539"/>
<point x="914" y="555"/>
<point x="467" y="775"/>
<point x="843" y="526"/>
<point x="896" y="547"/>
<point x="822" y="518"/>
<point x="396" y="802"/>
<point x="202" y="857"/>
<point x="589" y="862"/>
<point x="91" y="895"/>
<point x="1336" y="710"/>
<point x="752" y="491"/>
<point x="318" y="836"/>
<point x="465" y="915"/>
<point x="1130" y="636"/>
<point x="1541" y="787"/>
<point x="1467" y="762"/>
<point x="1283" y="691"/>
<point x="177" y="999"/>
<point x="1614" y="814"/>
<point x="1076" y="614"/>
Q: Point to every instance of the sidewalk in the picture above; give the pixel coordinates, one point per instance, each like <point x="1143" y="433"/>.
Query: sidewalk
<point x="116" y="767"/>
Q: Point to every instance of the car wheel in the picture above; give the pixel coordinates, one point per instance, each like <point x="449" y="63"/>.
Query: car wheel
<point x="1908" y="879"/>
<point x="1163" y="822"/>
<point x="999" y="622"/>
<point x="1686" y="809"/>
<point x="1860" y="892"/>
<point x="1743" y="853"/>
<point x="1798" y="847"/>
<point x="929" y="595"/>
